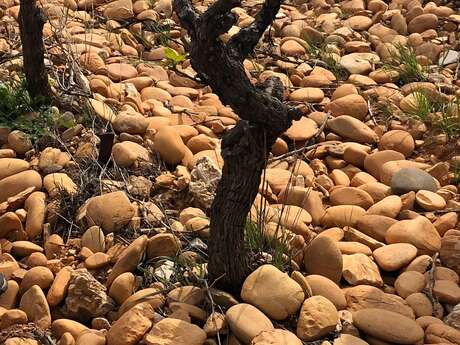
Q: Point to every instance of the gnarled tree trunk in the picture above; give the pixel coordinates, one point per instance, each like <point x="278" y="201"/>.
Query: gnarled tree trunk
<point x="245" y="148"/>
<point x="31" y="22"/>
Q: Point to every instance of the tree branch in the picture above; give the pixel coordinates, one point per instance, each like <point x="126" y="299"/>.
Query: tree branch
<point x="244" y="42"/>
<point x="218" y="19"/>
<point x="187" y="15"/>
<point x="220" y="7"/>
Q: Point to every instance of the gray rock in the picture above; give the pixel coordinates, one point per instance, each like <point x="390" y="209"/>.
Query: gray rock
<point x="453" y="319"/>
<point x="86" y="297"/>
<point x="449" y="57"/>
<point x="412" y="179"/>
<point x="204" y="179"/>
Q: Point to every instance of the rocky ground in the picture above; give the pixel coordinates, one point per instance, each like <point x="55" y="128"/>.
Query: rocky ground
<point x="355" y="228"/>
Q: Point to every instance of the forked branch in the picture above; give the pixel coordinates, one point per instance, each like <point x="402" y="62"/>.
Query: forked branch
<point x="245" y="148"/>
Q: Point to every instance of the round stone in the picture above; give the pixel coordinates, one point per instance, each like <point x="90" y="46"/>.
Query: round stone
<point x="397" y="140"/>
<point x="394" y="256"/>
<point x="409" y="282"/>
<point x="324" y="258"/>
<point x="412" y="179"/>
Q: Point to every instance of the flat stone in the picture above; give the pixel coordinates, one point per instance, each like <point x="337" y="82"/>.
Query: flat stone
<point x="388" y="326"/>
<point x="395" y="256"/>
<point x="302" y="129"/>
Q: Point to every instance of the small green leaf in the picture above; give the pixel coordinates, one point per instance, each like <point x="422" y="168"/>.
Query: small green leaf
<point x="173" y="56"/>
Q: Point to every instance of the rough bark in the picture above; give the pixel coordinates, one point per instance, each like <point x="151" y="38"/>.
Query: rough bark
<point x="31" y="22"/>
<point x="245" y="148"/>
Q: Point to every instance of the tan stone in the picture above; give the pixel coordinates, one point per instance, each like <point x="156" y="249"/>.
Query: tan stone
<point x="12" y="166"/>
<point x="8" y="299"/>
<point x="131" y="327"/>
<point x="128" y="153"/>
<point x="342" y="215"/>
<point x="163" y="245"/>
<point x="129" y="259"/>
<point x="318" y="316"/>
<point x="201" y="142"/>
<point x="215" y="324"/>
<point x="102" y="110"/>
<point x="123" y="287"/>
<point x="24" y="248"/>
<point x="40" y="276"/>
<point x="93" y="239"/>
<point x="352" y="128"/>
<point x="10" y="223"/>
<point x="36" y="207"/>
<point x="294" y="218"/>
<point x="378" y="191"/>
<point x="171" y="331"/>
<point x="169" y="145"/>
<point x="447" y="291"/>
<point x="187" y="294"/>
<point x="388" y="326"/>
<point x="373" y="163"/>
<point x="277" y="336"/>
<point x="149" y="295"/>
<point x="353" y="104"/>
<point x="322" y="286"/>
<point x="419" y="232"/>
<point x="14" y="184"/>
<point x="323" y="257"/>
<point x="420" y="303"/>
<point x="394" y="256"/>
<point x="388" y="207"/>
<point x="58" y="183"/>
<point x="430" y="201"/>
<point x="348" y="339"/>
<point x="273" y="292"/>
<point x="366" y="296"/>
<point x="446" y="222"/>
<point x="307" y="94"/>
<point x="409" y="282"/>
<point x="58" y="289"/>
<point x="13" y="317"/>
<point x="439" y="333"/>
<point x="97" y="261"/>
<point x="19" y="142"/>
<point x="302" y="129"/>
<point x="351" y="196"/>
<point x="111" y="211"/>
<point x="246" y="322"/>
<point x="397" y="140"/>
<point x="33" y="303"/>
<point x="422" y="23"/>
<point x="360" y="269"/>
<point x="60" y="327"/>
<point x="351" y="247"/>
<point x="130" y="122"/>
<point x="375" y="226"/>
<point x="120" y="71"/>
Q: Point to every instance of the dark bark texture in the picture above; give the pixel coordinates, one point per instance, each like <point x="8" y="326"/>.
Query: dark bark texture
<point x="31" y="22"/>
<point x="245" y="148"/>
